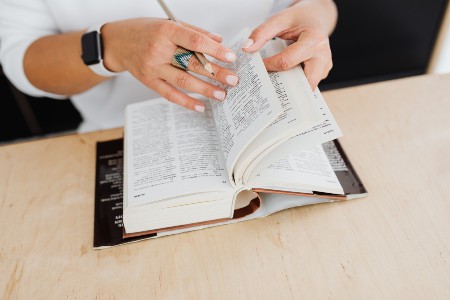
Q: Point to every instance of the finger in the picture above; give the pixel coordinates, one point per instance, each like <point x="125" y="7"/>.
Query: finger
<point x="266" y="31"/>
<point x="199" y="42"/>
<point x="214" y="36"/>
<point x="291" y="56"/>
<point x="316" y="69"/>
<point x="222" y="75"/>
<point x="173" y="95"/>
<point x="186" y="81"/>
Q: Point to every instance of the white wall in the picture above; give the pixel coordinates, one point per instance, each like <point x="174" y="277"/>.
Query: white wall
<point x="440" y="61"/>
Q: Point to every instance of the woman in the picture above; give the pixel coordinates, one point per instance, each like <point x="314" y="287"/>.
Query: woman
<point x="41" y="48"/>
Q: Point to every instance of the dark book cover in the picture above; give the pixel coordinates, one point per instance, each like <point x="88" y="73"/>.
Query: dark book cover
<point x="108" y="226"/>
<point x="343" y="168"/>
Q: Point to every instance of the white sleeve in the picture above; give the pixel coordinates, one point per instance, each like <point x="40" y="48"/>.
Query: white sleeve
<point x="21" y="23"/>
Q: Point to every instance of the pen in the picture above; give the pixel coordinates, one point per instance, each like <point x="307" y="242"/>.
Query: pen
<point x="206" y="64"/>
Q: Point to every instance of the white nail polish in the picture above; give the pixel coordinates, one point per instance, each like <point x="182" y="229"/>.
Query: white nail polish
<point x="199" y="108"/>
<point x="231" y="80"/>
<point x="230" y="56"/>
<point x="220" y="95"/>
<point x="247" y="43"/>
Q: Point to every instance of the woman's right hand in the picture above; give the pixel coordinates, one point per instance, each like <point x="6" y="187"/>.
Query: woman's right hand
<point x="145" y="47"/>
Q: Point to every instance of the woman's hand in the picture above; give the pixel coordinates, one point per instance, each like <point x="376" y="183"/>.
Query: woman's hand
<point x="307" y="23"/>
<point x="145" y="47"/>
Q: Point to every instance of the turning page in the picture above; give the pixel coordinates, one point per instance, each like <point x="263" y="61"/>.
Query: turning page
<point x="303" y="171"/>
<point x="299" y="111"/>
<point x="248" y="108"/>
<point x="169" y="152"/>
<point x="324" y="132"/>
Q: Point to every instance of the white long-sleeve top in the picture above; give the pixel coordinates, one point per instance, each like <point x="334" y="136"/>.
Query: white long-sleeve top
<point x="24" y="21"/>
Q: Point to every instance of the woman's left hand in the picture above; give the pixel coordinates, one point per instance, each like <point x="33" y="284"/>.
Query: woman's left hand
<point x="307" y="23"/>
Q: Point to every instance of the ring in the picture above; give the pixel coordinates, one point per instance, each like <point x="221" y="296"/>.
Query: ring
<point x="181" y="58"/>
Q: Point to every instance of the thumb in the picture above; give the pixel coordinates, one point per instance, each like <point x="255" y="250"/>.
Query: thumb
<point x="264" y="32"/>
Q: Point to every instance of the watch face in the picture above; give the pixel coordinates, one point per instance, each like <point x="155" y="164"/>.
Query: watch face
<point x="91" y="47"/>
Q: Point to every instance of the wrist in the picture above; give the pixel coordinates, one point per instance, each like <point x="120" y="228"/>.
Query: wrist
<point x="93" y="51"/>
<point x="319" y="14"/>
<point x="110" y="58"/>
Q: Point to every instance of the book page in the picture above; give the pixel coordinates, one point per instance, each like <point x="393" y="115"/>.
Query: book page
<point x="299" y="110"/>
<point x="170" y="151"/>
<point x="324" y="132"/>
<point x="248" y="108"/>
<point x="307" y="169"/>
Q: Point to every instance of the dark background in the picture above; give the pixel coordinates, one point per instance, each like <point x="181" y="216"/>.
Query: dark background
<point x="373" y="41"/>
<point x="382" y="40"/>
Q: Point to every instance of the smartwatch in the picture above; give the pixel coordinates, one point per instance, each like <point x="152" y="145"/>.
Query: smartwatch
<point x="92" y="51"/>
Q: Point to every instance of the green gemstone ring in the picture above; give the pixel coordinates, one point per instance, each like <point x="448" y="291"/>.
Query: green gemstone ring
<point x="181" y="58"/>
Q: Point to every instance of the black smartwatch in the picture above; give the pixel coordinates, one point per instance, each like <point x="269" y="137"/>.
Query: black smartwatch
<point x="92" y="51"/>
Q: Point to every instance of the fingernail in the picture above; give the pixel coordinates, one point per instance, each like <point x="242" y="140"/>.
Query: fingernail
<point x="199" y="108"/>
<point x="247" y="43"/>
<point x="218" y="35"/>
<point x="230" y="56"/>
<point x="231" y="80"/>
<point x="219" y="95"/>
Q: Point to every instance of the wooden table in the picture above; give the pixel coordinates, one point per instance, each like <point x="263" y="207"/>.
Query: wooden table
<point x="395" y="244"/>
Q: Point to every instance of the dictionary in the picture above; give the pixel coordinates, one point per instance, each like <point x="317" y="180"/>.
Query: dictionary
<point x="185" y="169"/>
<point x="108" y="217"/>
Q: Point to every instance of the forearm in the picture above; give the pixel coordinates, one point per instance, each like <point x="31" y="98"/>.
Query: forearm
<point x="323" y="11"/>
<point x="144" y="47"/>
<point x="53" y="64"/>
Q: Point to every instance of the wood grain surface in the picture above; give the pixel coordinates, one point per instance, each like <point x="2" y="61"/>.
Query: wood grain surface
<point x="395" y="244"/>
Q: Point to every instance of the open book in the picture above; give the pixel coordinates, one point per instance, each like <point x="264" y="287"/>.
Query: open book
<point x="184" y="169"/>
<point x="108" y="220"/>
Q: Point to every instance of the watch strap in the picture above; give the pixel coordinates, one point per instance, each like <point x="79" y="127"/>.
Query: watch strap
<point x="100" y="68"/>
